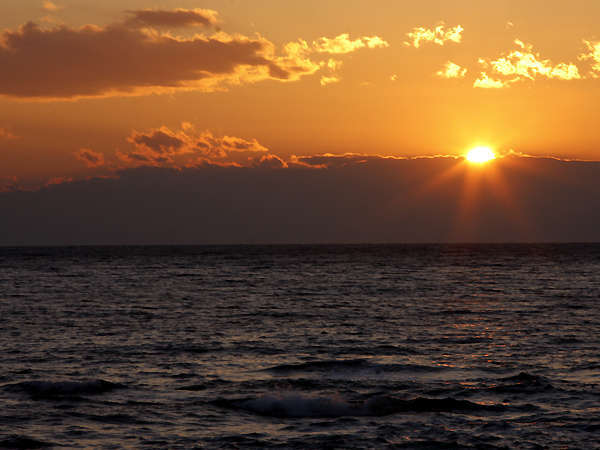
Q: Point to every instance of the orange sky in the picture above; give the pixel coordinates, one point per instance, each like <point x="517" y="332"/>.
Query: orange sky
<point x="87" y="88"/>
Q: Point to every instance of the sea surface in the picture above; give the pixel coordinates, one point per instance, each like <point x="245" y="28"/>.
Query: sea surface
<point x="424" y="347"/>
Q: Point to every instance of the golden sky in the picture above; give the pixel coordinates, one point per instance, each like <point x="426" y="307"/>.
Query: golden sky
<point x="88" y="88"/>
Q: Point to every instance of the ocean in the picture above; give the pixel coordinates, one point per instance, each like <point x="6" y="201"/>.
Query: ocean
<point x="355" y="346"/>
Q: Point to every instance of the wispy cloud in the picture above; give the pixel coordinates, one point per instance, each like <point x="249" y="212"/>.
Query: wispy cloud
<point x="344" y="44"/>
<point x="452" y="70"/>
<point x="439" y="35"/>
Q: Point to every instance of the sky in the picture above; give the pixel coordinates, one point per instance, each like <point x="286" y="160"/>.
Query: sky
<point x="97" y="92"/>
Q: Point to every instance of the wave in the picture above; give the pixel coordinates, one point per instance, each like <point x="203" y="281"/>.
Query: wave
<point x="58" y="390"/>
<point x="382" y="349"/>
<point x="116" y="419"/>
<point x="22" y="442"/>
<point x="319" y="366"/>
<point x="351" y="365"/>
<point x="523" y="383"/>
<point x="298" y="406"/>
<point x="187" y="348"/>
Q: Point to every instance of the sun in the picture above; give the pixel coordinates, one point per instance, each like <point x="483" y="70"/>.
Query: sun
<point x="480" y="155"/>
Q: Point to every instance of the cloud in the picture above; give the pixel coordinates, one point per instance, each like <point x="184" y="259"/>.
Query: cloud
<point x="438" y="35"/>
<point x="485" y="82"/>
<point x="525" y="64"/>
<point x="163" y="147"/>
<point x="270" y="162"/>
<point x="50" y="6"/>
<point x="172" y="18"/>
<point x="8" y="183"/>
<point x="344" y="44"/>
<point x="329" y="160"/>
<point x="329" y="80"/>
<point x="155" y="147"/>
<point x="593" y="55"/>
<point x="58" y="180"/>
<point x="376" y="200"/>
<point x="134" y="57"/>
<point x="452" y="70"/>
<point x="64" y="62"/>
<point x="159" y="141"/>
<point x="5" y="134"/>
<point x="187" y="147"/>
<point x="333" y="64"/>
<point x="90" y="157"/>
<point x="297" y="56"/>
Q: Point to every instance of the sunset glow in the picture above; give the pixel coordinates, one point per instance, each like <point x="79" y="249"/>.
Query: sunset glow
<point x="276" y="95"/>
<point x="253" y="191"/>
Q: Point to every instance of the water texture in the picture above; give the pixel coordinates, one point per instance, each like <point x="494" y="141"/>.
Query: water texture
<point x="439" y="346"/>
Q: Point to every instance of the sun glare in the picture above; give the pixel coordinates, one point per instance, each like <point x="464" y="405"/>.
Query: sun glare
<point x="480" y="155"/>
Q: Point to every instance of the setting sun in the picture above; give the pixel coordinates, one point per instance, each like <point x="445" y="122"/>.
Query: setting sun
<point x="480" y="155"/>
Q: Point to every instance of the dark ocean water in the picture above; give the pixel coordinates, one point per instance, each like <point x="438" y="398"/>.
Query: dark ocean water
<point x="301" y="347"/>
